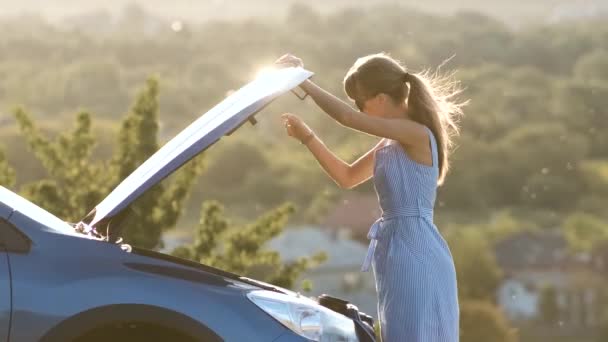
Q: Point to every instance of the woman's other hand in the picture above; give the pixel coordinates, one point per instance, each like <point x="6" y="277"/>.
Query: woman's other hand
<point x="290" y="60"/>
<point x="297" y="128"/>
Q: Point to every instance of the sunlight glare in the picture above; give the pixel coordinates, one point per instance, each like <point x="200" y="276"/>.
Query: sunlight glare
<point x="264" y="71"/>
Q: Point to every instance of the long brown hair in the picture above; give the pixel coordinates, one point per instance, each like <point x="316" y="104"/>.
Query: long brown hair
<point x="430" y="96"/>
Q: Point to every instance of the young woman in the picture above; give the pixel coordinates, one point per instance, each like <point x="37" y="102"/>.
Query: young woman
<point x="414" y="115"/>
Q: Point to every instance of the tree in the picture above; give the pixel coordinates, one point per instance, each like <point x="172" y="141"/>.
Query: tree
<point x="481" y="322"/>
<point x="239" y="249"/>
<point x="580" y="105"/>
<point x="7" y="174"/>
<point x="233" y="167"/>
<point x="503" y="225"/>
<point x="477" y="271"/>
<point x="96" y="85"/>
<point x="584" y="231"/>
<point x="76" y="183"/>
<point x="593" y="66"/>
<point x="530" y="177"/>
<point x="594" y="174"/>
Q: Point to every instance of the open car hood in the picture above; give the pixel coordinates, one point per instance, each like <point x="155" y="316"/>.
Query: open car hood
<point x="223" y="119"/>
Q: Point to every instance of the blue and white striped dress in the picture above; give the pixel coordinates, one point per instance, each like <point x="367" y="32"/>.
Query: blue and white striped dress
<point x="412" y="264"/>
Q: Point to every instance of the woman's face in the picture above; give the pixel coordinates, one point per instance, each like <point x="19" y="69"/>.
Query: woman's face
<point x="374" y="106"/>
<point x="382" y="106"/>
<point x="364" y="103"/>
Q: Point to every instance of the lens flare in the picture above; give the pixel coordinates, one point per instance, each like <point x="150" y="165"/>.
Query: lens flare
<point x="264" y="71"/>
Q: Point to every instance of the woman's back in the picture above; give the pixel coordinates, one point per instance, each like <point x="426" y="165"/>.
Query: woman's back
<point x="402" y="183"/>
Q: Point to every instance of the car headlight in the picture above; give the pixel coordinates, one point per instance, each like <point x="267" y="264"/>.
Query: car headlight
<point x="306" y="317"/>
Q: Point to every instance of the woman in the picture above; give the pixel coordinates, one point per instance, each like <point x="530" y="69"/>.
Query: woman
<point x="414" y="115"/>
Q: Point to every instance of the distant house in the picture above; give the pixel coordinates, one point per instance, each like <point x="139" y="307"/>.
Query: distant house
<point x="340" y="275"/>
<point x="534" y="260"/>
<point x="355" y="212"/>
<point x="600" y="257"/>
<point x="5" y="119"/>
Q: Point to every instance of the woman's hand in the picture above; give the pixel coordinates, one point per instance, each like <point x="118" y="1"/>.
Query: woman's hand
<point x="297" y="128"/>
<point x="290" y="60"/>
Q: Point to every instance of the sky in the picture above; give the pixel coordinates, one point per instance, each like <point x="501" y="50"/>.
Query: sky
<point x="55" y="10"/>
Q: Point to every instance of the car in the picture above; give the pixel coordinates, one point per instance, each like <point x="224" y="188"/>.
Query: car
<point x="68" y="282"/>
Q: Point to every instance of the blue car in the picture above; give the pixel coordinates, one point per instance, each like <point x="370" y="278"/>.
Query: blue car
<point x="67" y="282"/>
